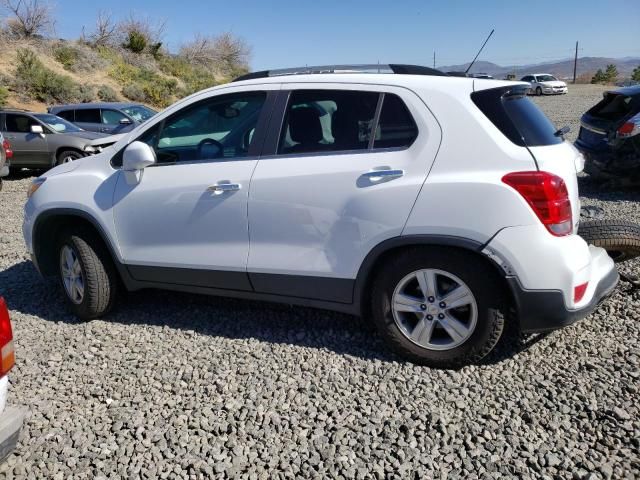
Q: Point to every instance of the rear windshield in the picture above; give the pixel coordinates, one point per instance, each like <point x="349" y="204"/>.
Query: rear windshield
<point x="517" y="117"/>
<point x="615" y="106"/>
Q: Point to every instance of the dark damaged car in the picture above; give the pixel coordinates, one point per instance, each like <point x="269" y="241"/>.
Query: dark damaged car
<point x="610" y="137"/>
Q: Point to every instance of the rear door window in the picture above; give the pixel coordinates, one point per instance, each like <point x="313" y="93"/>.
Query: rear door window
<point x="67" y="115"/>
<point x="88" y="115"/>
<point x="328" y="120"/>
<point x="517" y="117"/>
<point x="396" y="127"/>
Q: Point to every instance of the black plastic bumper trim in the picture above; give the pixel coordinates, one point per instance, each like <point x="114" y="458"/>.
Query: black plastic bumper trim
<point x="543" y="311"/>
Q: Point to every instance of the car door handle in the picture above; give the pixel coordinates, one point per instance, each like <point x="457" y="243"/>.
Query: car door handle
<point x="377" y="175"/>
<point x="11" y="137"/>
<point x="220" y="188"/>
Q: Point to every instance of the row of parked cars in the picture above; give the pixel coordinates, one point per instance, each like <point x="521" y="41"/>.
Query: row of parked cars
<point x="66" y="132"/>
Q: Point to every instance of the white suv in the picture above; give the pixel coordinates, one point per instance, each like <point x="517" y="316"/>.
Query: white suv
<point x="431" y="204"/>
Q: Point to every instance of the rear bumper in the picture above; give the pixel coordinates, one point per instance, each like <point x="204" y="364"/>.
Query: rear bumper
<point x="10" y="426"/>
<point x="542" y="311"/>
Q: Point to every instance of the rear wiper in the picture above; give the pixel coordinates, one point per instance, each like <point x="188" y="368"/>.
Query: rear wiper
<point x="563" y="131"/>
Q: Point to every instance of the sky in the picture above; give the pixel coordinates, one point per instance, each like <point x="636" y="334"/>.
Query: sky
<point x="286" y="33"/>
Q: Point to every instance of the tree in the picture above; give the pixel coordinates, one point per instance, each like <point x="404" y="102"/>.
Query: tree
<point x="599" y="77"/>
<point x="105" y="32"/>
<point x="138" y="33"/>
<point x="611" y="72"/>
<point x="635" y="75"/>
<point x="226" y="52"/>
<point x="29" y="17"/>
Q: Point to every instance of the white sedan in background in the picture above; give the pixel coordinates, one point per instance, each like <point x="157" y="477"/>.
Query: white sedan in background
<point x="545" y="84"/>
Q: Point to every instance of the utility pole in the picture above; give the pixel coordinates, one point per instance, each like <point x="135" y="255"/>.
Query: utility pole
<point x="434" y="59"/>
<point x="575" y="64"/>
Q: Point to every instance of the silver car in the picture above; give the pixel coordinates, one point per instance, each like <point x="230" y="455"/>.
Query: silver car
<point x="43" y="140"/>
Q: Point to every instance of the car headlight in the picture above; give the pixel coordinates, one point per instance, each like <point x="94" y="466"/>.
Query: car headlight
<point x="35" y="185"/>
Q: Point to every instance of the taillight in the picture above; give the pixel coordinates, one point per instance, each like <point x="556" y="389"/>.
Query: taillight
<point x="548" y="197"/>
<point x="7" y="357"/>
<point x="629" y="129"/>
<point x="579" y="291"/>
<point x="7" y="148"/>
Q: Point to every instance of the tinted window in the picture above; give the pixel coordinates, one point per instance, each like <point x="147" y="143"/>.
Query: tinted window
<point x="517" y="117"/>
<point x="396" y="127"/>
<point x="328" y="120"/>
<point x="218" y="128"/>
<point x="66" y="114"/>
<point x="112" y="117"/>
<point x="88" y="115"/>
<point x="19" y="123"/>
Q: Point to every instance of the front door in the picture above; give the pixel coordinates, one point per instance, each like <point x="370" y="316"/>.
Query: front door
<point x="185" y="222"/>
<point x="29" y="149"/>
<point x="336" y="186"/>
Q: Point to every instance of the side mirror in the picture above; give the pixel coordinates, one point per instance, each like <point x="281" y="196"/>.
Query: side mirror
<point x="125" y="121"/>
<point x="37" y="129"/>
<point x="135" y="158"/>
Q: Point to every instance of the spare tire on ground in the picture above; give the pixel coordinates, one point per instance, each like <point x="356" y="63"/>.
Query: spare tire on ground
<point x="620" y="239"/>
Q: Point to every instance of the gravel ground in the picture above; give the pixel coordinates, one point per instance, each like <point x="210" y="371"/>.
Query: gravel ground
<point x="184" y="386"/>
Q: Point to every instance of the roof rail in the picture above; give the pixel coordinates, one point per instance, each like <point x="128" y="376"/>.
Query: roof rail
<point x="396" y="68"/>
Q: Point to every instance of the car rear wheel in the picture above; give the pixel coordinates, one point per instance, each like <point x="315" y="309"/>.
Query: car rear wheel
<point x="538" y="91"/>
<point x="86" y="273"/>
<point x="68" y="156"/>
<point x="439" y="307"/>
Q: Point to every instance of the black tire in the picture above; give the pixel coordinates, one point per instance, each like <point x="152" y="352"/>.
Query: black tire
<point x="68" y="156"/>
<point x="481" y="279"/>
<point x="98" y="272"/>
<point x="539" y="91"/>
<point x="620" y="239"/>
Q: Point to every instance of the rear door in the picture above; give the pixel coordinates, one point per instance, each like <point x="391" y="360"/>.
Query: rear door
<point x="331" y="184"/>
<point x="89" y="119"/>
<point x="29" y="149"/>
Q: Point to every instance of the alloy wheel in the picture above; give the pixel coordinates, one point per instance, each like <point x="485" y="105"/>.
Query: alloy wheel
<point x="434" y="309"/>
<point x="72" y="274"/>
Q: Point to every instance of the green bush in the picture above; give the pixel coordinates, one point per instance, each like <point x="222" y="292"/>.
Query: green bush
<point x="136" y="41"/>
<point x="41" y="83"/>
<point x="4" y="96"/>
<point x="67" y="56"/>
<point x="85" y="93"/>
<point x="134" y="92"/>
<point x="107" y="94"/>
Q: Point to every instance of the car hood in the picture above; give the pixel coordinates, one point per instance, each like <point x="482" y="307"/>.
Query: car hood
<point x="553" y="83"/>
<point x="107" y="140"/>
<point x="86" y="135"/>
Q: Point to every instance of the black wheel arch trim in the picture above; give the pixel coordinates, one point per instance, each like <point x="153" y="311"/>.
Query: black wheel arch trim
<point x="75" y="212"/>
<point x="370" y="262"/>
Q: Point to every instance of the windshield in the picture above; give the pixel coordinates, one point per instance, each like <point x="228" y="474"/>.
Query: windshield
<point x="546" y="78"/>
<point x="139" y="113"/>
<point x="57" y="124"/>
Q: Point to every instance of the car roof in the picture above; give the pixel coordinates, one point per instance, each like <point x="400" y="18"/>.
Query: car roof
<point x="82" y="106"/>
<point x="630" y="91"/>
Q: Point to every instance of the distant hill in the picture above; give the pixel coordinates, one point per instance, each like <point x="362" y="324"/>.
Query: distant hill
<point x="560" y="68"/>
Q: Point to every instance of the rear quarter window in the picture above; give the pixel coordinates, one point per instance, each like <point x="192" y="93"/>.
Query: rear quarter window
<point x="517" y="117"/>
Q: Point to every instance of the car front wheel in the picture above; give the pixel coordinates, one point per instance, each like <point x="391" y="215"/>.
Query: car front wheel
<point x="539" y="91"/>
<point x="439" y="307"/>
<point x="86" y="274"/>
<point x="68" y="156"/>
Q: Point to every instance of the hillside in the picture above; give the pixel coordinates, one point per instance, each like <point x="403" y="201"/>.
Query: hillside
<point x="587" y="66"/>
<point x="37" y="72"/>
